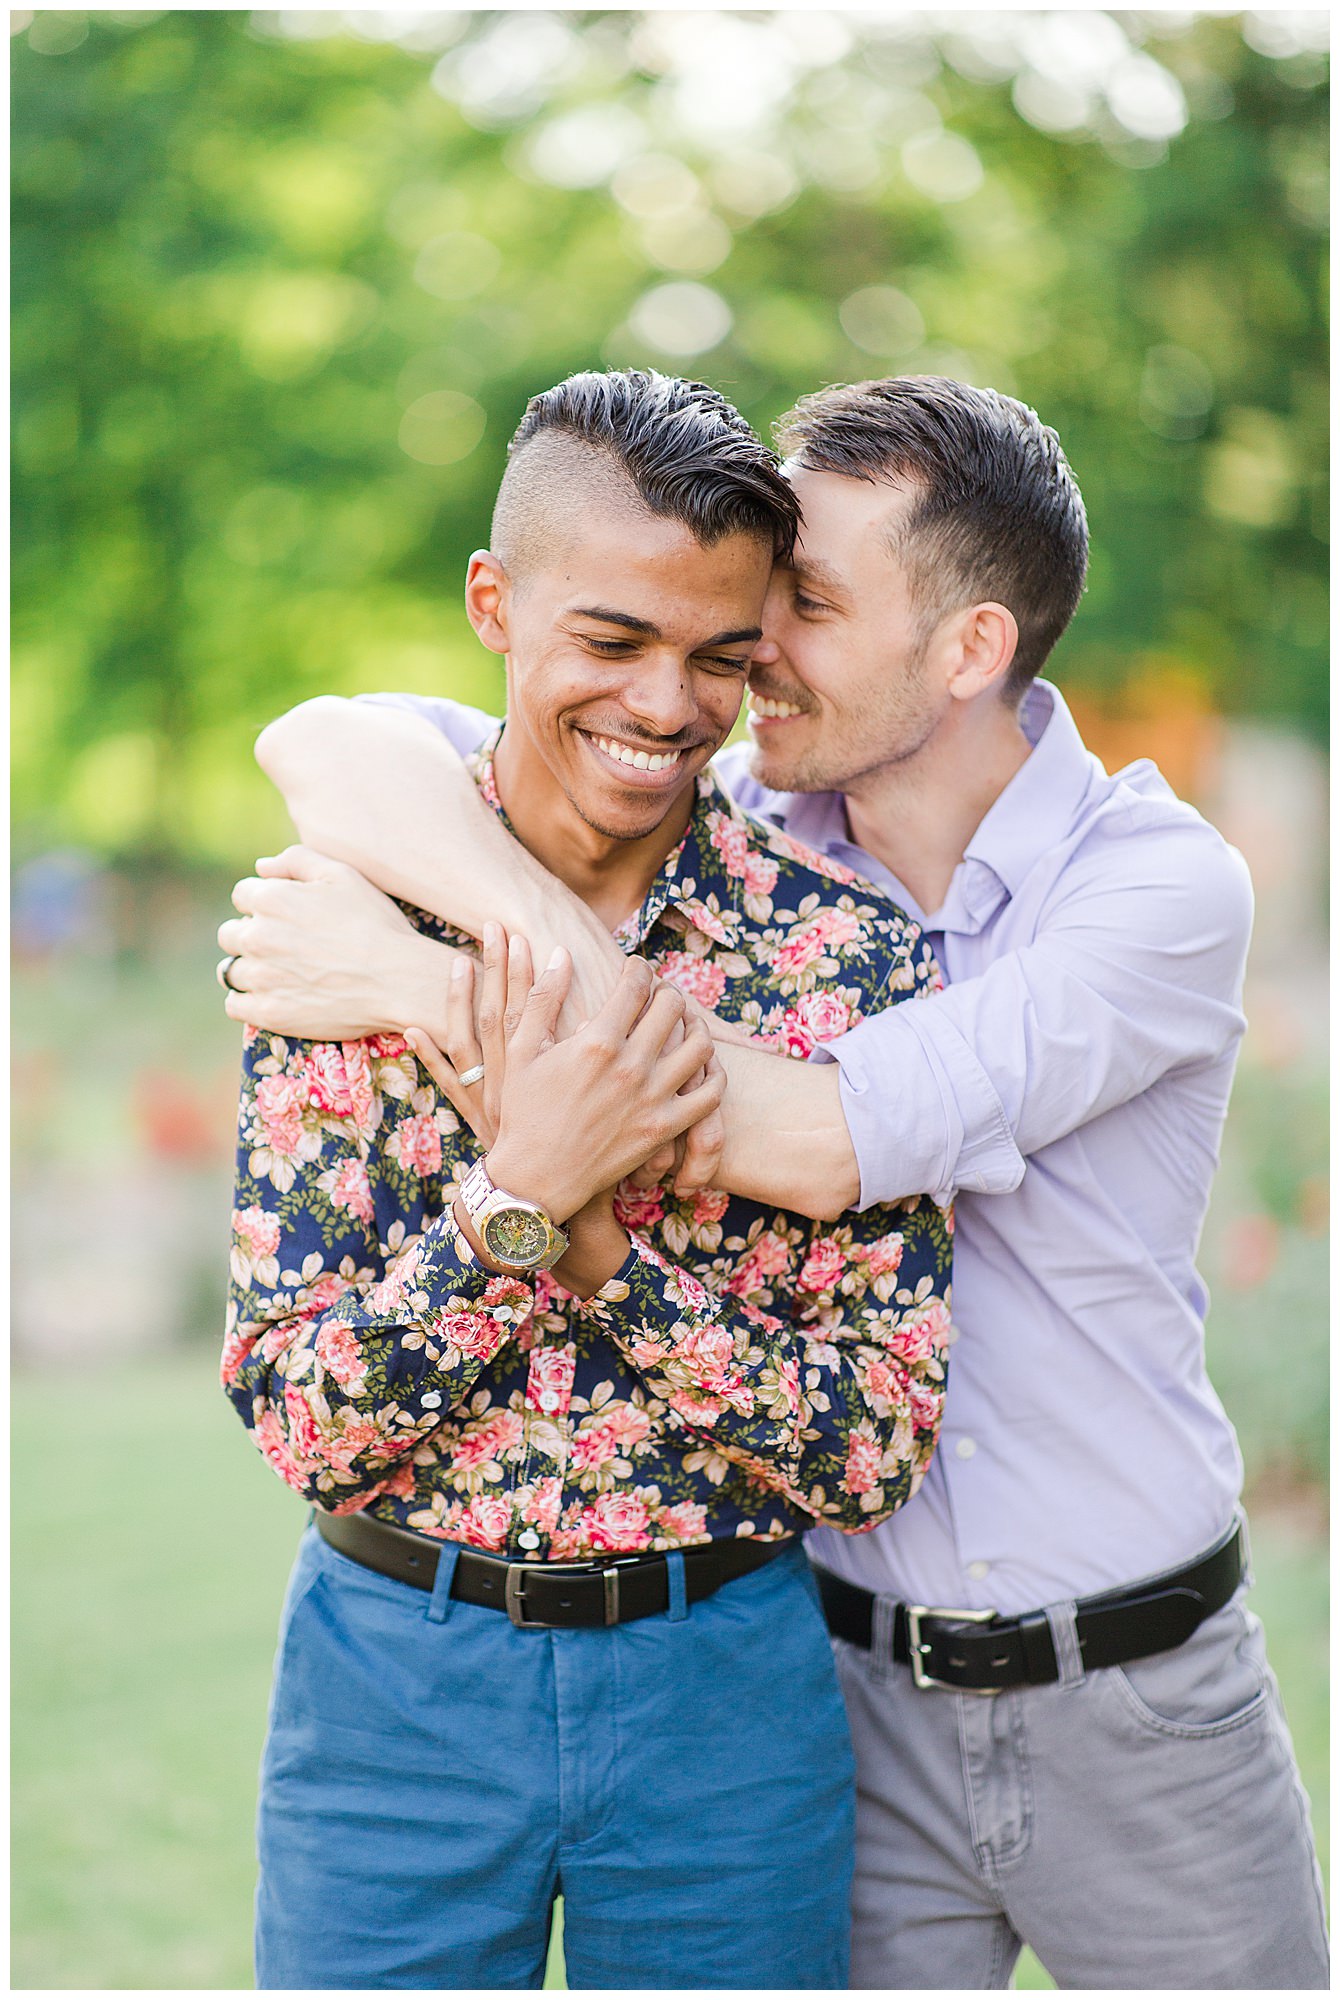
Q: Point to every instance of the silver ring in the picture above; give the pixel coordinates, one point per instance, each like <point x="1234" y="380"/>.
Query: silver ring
<point x="469" y="1076"/>
<point x="222" y="970"/>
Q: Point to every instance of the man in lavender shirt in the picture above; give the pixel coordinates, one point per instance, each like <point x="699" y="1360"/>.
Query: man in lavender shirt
<point x="1066" y="1730"/>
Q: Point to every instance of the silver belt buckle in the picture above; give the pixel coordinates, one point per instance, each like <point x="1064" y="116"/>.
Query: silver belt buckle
<point x="514" y="1596"/>
<point x="514" y="1592"/>
<point x="918" y="1651"/>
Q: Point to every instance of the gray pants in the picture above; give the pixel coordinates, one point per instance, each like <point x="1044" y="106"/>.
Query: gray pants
<point x="1139" y="1826"/>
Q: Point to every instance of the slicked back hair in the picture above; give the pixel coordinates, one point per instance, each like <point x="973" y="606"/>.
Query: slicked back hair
<point x="995" y="515"/>
<point x="688" y="454"/>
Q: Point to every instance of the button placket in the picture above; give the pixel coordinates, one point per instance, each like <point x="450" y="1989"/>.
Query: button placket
<point x="549" y="1379"/>
<point x="551" y="1368"/>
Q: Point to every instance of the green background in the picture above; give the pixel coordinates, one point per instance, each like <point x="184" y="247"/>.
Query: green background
<point x="281" y="289"/>
<point x="278" y="305"/>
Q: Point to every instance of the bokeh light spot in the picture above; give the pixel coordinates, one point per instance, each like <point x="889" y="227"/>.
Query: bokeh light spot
<point x="1251" y="473"/>
<point x="1176" y="392"/>
<point x="1145" y="98"/>
<point x="57" y="34"/>
<point x="583" y="148"/>
<point x="692" y="240"/>
<point x="457" y="265"/>
<point x="1050" y="105"/>
<point x="754" y="183"/>
<point x="654" y="184"/>
<point x="442" y="427"/>
<point x="882" y="320"/>
<point x="681" y="319"/>
<point x="942" y="165"/>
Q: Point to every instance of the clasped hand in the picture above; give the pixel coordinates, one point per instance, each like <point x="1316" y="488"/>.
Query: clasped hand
<point x="563" y="1122"/>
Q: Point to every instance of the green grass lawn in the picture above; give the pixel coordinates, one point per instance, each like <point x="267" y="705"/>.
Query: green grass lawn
<point x="147" y="1576"/>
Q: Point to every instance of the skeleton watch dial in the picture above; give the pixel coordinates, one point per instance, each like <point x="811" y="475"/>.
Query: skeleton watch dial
<point x="517" y="1236"/>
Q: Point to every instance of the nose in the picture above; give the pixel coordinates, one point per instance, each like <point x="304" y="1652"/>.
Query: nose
<point x="766" y="654"/>
<point x="660" y="695"/>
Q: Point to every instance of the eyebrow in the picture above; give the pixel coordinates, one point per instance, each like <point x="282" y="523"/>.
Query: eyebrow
<point x="820" y="573"/>
<point x="649" y="631"/>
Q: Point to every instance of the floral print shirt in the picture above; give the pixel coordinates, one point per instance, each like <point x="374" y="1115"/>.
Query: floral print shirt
<point x="747" y="1371"/>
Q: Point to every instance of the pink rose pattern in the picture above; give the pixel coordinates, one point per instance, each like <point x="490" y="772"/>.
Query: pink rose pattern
<point x="697" y="976"/>
<point x="746" y="1372"/>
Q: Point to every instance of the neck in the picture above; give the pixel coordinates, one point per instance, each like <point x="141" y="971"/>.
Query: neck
<point x="918" y="816"/>
<point x="612" y="876"/>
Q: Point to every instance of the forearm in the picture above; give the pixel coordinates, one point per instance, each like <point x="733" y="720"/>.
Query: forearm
<point x="385" y="791"/>
<point x="336" y="1359"/>
<point x="787" y="1142"/>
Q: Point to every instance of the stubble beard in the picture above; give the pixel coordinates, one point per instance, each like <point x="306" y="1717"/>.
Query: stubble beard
<point x="899" y="735"/>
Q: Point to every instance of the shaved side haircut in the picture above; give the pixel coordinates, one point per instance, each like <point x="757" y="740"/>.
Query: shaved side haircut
<point x="633" y="439"/>
<point x="996" y="513"/>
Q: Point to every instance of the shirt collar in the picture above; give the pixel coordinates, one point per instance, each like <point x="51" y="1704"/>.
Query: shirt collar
<point x="1035" y="811"/>
<point x="1039" y="804"/>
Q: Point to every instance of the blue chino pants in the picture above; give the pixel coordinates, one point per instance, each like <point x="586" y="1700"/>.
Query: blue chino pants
<point x="434" y="1777"/>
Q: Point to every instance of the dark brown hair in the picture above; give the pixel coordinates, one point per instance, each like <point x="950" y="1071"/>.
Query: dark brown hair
<point x="689" y="453"/>
<point x="996" y="512"/>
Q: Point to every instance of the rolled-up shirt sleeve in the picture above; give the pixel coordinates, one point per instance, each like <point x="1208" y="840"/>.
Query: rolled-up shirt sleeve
<point x="922" y="1111"/>
<point x="1135" y="969"/>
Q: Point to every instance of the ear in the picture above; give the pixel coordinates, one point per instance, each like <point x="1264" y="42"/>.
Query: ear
<point x="985" y="640"/>
<point x="487" y="599"/>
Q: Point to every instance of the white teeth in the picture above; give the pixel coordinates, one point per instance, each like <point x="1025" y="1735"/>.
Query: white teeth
<point x="641" y="760"/>
<point x="760" y="705"/>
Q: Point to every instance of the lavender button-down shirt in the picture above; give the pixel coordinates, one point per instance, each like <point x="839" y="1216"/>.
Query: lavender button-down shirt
<point x="1070" y="1085"/>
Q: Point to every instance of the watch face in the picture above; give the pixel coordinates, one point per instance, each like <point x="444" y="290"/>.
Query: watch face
<point x="516" y="1236"/>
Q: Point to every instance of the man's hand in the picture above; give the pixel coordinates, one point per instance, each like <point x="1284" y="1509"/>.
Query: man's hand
<point x="568" y="1120"/>
<point x="322" y="954"/>
<point x="563" y="1122"/>
<point x="484" y="1004"/>
<point x="694" y="1159"/>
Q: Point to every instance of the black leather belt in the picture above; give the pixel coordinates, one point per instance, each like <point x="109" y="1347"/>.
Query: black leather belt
<point x="980" y="1653"/>
<point x="545" y="1593"/>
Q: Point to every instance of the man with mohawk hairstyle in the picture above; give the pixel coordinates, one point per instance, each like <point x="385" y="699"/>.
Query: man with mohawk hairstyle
<point x="552" y="1630"/>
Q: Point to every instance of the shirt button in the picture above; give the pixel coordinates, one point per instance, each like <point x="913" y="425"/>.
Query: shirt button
<point x="978" y="1570"/>
<point x="530" y="1540"/>
<point x="965" y="1447"/>
<point x="549" y="1400"/>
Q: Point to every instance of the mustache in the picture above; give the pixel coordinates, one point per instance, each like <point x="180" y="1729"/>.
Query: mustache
<point x="796" y="696"/>
<point x="637" y="741"/>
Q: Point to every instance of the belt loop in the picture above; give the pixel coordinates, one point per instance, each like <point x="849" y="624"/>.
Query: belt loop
<point x="883" y="1615"/>
<point x="678" y="1606"/>
<point x="439" y="1604"/>
<point x="1065" y="1644"/>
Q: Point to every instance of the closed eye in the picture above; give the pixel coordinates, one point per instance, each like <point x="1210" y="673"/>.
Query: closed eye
<point x="609" y="649"/>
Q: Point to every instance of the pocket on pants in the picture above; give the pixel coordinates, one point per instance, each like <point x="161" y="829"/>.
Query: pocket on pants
<point x="1216" y="1682"/>
<point x="355" y="1654"/>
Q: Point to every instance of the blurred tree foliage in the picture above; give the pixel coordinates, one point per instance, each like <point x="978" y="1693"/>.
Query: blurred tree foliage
<point x="283" y="283"/>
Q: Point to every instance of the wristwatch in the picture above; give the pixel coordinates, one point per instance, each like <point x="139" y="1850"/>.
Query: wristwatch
<point x="516" y="1233"/>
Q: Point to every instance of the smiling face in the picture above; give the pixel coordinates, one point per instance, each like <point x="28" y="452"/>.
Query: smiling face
<point x="627" y="651"/>
<point x="854" y="687"/>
